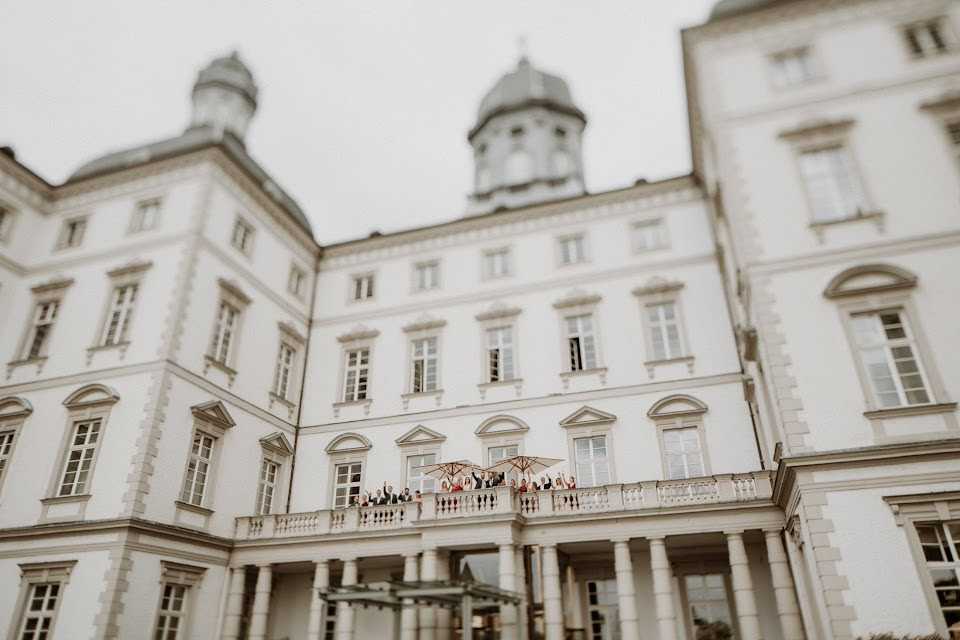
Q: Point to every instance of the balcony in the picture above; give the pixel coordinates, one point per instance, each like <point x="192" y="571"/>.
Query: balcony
<point x="639" y="497"/>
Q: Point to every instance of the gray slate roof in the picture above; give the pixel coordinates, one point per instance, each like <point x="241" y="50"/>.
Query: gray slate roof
<point x="191" y="140"/>
<point x="727" y="8"/>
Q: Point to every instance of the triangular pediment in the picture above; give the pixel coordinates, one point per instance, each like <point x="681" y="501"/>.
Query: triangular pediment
<point x="349" y="442"/>
<point x="214" y="412"/>
<point x="587" y="416"/>
<point x="420" y="435"/>
<point x="278" y="443"/>
<point x="500" y="425"/>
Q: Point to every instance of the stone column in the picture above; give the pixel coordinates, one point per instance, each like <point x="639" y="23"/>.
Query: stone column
<point x="444" y="615"/>
<point x="552" y="600"/>
<point x="345" y="609"/>
<point x="428" y="615"/>
<point x="520" y="564"/>
<point x="408" y="617"/>
<point x="234" y="609"/>
<point x="574" y="603"/>
<point x="743" y="587"/>
<point x="508" y="571"/>
<point x="663" y="589"/>
<point x="318" y="606"/>
<point x="783" y="589"/>
<point x="626" y="591"/>
<point x="261" y="603"/>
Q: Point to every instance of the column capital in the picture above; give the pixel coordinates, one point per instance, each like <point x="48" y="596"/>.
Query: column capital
<point x="352" y="559"/>
<point x="322" y="561"/>
<point x="621" y="539"/>
<point x="411" y="554"/>
<point x="265" y="565"/>
<point x="506" y="543"/>
<point x="549" y="545"/>
<point x="730" y="533"/>
<point x="652" y="539"/>
<point x="772" y="530"/>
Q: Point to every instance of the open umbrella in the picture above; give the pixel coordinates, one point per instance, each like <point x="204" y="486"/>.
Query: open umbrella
<point x="523" y="464"/>
<point x="448" y="469"/>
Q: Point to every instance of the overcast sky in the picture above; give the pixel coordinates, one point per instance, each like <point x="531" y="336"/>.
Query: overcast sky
<point x="364" y="107"/>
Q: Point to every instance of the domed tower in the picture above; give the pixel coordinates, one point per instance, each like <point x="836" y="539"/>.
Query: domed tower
<point x="224" y="96"/>
<point x="526" y="142"/>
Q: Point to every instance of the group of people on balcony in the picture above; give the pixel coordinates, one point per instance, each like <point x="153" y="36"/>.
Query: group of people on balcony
<point x="386" y="495"/>
<point x="489" y="480"/>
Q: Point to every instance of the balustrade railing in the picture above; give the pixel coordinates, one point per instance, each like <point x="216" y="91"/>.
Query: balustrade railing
<point x="639" y="496"/>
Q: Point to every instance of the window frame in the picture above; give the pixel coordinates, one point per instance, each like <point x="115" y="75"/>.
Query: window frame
<point x="587" y="422"/>
<point x="297" y="276"/>
<point x="659" y="291"/>
<point x="663" y="241"/>
<point x="276" y="449"/>
<point x="179" y="575"/>
<point x="704" y="568"/>
<point x="487" y="259"/>
<point x="361" y="483"/>
<point x="812" y="66"/>
<point x="947" y="35"/>
<point x="37" y="573"/>
<point x="229" y="294"/>
<point x="585" y="253"/>
<point x="207" y="490"/>
<point x="42" y="294"/>
<point x="13" y="415"/>
<point x="63" y="235"/>
<point x="250" y="233"/>
<point x="677" y="424"/>
<point x="128" y="275"/>
<point x="361" y="338"/>
<point x="423" y="328"/>
<point x="430" y="265"/>
<point x="136" y="224"/>
<point x="8" y="219"/>
<point x="369" y="280"/>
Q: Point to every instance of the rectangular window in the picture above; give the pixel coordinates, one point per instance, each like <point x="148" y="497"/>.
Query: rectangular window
<point x="709" y="608"/>
<point x="297" y="281"/>
<point x="198" y="469"/>
<point x="500" y="354"/>
<point x="227" y="319"/>
<point x="502" y="452"/>
<point x="664" y="329"/>
<point x="927" y="38"/>
<point x="888" y="352"/>
<point x="116" y="329"/>
<point x="496" y="263"/>
<point x="572" y="249"/>
<point x="40" y="609"/>
<point x="832" y="185"/>
<point x="648" y="235"/>
<point x="362" y="287"/>
<point x="346" y="484"/>
<point x="953" y="131"/>
<point x="285" y="359"/>
<point x="593" y="466"/>
<point x="145" y="215"/>
<point x="71" y="235"/>
<point x="581" y="343"/>
<point x="792" y="67"/>
<point x="416" y="480"/>
<point x="683" y="453"/>
<point x="172" y="612"/>
<point x="602" y="609"/>
<point x="426" y="275"/>
<point x="424" y="366"/>
<point x="269" y="474"/>
<point x="79" y="459"/>
<point x="6" y="449"/>
<point x="356" y="375"/>
<point x="39" y="337"/>
<point x="242" y="237"/>
<point x="6" y="222"/>
<point x="940" y="542"/>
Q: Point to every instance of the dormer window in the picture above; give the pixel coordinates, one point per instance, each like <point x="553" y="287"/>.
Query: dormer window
<point x="242" y="238"/>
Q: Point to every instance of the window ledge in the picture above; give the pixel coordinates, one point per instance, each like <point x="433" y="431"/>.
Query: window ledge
<point x="876" y="217"/>
<point x="14" y="364"/>
<point x="210" y="361"/>
<point x="914" y="410"/>
<point x="652" y="365"/>
<point x="437" y="394"/>
<point x="500" y="383"/>
<point x="365" y="403"/>
<point x="281" y="400"/>
<point x="120" y="347"/>
<point x="195" y="508"/>
<point x="80" y="497"/>
<point x="584" y="372"/>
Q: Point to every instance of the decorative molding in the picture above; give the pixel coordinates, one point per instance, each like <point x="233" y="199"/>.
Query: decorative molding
<point x="816" y="128"/>
<point x="657" y="285"/>
<point x="933" y="506"/>
<point x="137" y="266"/>
<point x="54" y="285"/>
<point x="348" y="443"/>
<point x="675" y="406"/>
<point x="287" y="329"/>
<point x="234" y="290"/>
<point x="946" y="104"/>
<point x="91" y="395"/>
<point x="500" y="425"/>
<point x="214" y="413"/>
<point x="277" y="443"/>
<point x="869" y="278"/>
<point x="914" y="410"/>
<point x="14" y="407"/>
<point x="358" y="332"/>
<point x="420" y="435"/>
<point x="425" y="322"/>
<point x="497" y="311"/>
<point x="577" y="298"/>
<point x="587" y="416"/>
<point x="184" y="574"/>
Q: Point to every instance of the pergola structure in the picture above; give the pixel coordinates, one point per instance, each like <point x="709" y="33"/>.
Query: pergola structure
<point x="466" y="595"/>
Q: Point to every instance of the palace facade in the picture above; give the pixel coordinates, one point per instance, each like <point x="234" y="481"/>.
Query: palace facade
<point x="750" y="370"/>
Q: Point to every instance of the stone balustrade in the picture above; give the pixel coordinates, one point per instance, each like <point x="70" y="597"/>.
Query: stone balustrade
<point x="638" y="496"/>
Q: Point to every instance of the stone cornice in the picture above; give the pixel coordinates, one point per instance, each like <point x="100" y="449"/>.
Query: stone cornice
<point x="787" y="480"/>
<point x="137" y="266"/>
<point x="57" y="529"/>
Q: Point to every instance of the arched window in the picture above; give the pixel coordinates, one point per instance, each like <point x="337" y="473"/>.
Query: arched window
<point x="519" y="167"/>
